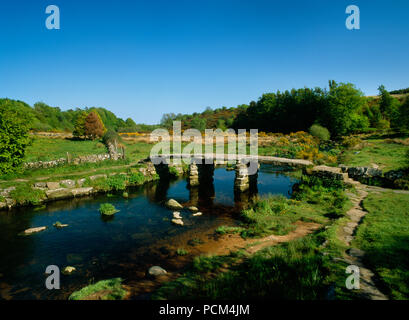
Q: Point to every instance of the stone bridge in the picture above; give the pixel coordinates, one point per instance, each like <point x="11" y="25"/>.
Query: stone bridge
<point x="201" y="167"/>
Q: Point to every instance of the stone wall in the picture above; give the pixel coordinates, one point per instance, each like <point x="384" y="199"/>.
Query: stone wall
<point x="70" y="188"/>
<point x="92" y="158"/>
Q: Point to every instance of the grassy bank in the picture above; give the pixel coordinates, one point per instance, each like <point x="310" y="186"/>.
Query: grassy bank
<point x="384" y="236"/>
<point x="388" y="154"/>
<point x="300" y="269"/>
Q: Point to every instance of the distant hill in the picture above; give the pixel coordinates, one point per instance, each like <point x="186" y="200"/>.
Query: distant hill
<point x="400" y="91"/>
<point x="47" y="118"/>
<point x="210" y="118"/>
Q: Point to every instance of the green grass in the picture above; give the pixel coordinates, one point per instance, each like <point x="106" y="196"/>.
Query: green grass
<point x="107" y="209"/>
<point x="45" y="149"/>
<point x="387" y="155"/>
<point x="24" y="194"/>
<point x="315" y="201"/>
<point x="228" y="230"/>
<point x="384" y="236"/>
<point x="105" y="290"/>
<point x="288" y="271"/>
<point x="182" y="252"/>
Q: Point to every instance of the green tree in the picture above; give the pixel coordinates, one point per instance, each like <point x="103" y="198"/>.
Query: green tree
<point x="79" y="126"/>
<point x="198" y="123"/>
<point x="404" y="116"/>
<point x="344" y="103"/>
<point x="14" y="138"/>
<point x="389" y="106"/>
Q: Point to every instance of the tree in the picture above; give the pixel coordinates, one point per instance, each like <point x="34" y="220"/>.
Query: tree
<point x="344" y="103"/>
<point x="79" y="126"/>
<point x="404" y="116"/>
<point x="389" y="106"/>
<point x="94" y="127"/>
<point x="14" y="138"/>
<point x="198" y="123"/>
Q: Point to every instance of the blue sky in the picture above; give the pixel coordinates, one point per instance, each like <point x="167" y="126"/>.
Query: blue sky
<point x="141" y="59"/>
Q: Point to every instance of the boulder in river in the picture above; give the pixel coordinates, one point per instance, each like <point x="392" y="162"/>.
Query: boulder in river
<point x="34" y="230"/>
<point x="156" y="271"/>
<point x="193" y="209"/>
<point x="197" y="214"/>
<point x="68" y="270"/>
<point x="58" y="224"/>
<point x="177" y="215"/>
<point x="173" y="204"/>
<point x="178" y="222"/>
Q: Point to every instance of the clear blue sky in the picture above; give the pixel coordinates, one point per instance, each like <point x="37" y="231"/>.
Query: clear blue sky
<point x="141" y="59"/>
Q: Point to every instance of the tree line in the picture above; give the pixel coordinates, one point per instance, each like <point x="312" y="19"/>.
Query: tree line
<point x="341" y="108"/>
<point x="46" y="118"/>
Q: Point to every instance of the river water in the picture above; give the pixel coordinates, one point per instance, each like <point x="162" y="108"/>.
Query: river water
<point x="138" y="236"/>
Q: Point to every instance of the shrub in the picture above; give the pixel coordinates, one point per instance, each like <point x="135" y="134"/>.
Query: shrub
<point x="14" y="139"/>
<point x="136" y="178"/>
<point x="111" y="137"/>
<point x="351" y="141"/>
<point x="117" y="182"/>
<point x="173" y="171"/>
<point x="383" y="124"/>
<point x="107" y="209"/>
<point x="320" y="132"/>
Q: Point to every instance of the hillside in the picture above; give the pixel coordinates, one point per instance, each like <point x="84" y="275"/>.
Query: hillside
<point x="47" y="118"/>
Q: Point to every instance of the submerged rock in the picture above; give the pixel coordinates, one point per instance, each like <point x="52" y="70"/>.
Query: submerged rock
<point x="197" y="214"/>
<point x="173" y="204"/>
<point x="34" y="230"/>
<point x="156" y="271"/>
<point x="178" y="222"/>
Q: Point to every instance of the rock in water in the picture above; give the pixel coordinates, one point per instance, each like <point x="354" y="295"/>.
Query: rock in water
<point x="60" y="225"/>
<point x="156" y="271"/>
<point x="34" y="230"/>
<point x="176" y="215"/>
<point x="177" y="221"/>
<point x="197" y="214"/>
<point x="193" y="209"/>
<point x="68" y="270"/>
<point x="173" y="204"/>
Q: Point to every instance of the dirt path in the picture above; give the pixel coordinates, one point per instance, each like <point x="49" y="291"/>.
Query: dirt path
<point x="354" y="256"/>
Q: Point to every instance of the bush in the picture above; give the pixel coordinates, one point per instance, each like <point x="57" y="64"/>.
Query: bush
<point x="14" y="139"/>
<point x="351" y="141"/>
<point x="320" y="132"/>
<point x="111" y="137"/>
<point x="136" y="178"/>
<point x="107" y="209"/>
<point x="117" y="182"/>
